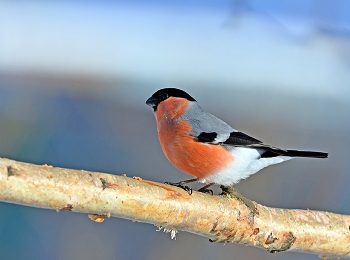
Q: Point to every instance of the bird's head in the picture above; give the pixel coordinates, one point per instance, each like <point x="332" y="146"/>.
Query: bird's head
<point x="166" y="94"/>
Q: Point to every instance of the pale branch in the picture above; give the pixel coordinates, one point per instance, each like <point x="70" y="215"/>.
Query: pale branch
<point x="226" y="218"/>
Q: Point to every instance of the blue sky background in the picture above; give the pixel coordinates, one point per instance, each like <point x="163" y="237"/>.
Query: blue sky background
<point x="75" y="75"/>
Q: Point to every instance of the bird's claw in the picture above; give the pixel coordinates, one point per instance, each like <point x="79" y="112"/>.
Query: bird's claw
<point x="180" y="185"/>
<point x="206" y="191"/>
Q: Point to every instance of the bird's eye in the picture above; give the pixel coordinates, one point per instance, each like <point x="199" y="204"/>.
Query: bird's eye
<point x="162" y="96"/>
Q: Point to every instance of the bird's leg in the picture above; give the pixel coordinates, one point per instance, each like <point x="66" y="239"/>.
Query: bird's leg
<point x="232" y="192"/>
<point x="205" y="188"/>
<point x="181" y="184"/>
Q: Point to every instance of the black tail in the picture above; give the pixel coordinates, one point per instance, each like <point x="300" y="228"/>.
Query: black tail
<point x="293" y="153"/>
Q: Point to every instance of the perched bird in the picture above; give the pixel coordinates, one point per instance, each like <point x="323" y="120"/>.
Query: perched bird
<point x="204" y="146"/>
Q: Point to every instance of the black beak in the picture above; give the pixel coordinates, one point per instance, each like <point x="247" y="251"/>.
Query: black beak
<point x="152" y="102"/>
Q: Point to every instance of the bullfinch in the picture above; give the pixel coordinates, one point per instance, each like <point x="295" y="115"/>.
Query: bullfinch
<point x="202" y="145"/>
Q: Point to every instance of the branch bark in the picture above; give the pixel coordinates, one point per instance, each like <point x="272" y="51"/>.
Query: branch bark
<point x="226" y="218"/>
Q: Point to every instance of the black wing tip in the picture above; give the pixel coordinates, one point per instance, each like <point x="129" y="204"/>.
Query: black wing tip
<point x="235" y="139"/>
<point x="241" y="139"/>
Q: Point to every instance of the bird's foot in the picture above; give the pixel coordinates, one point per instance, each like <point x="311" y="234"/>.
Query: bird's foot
<point x="232" y="192"/>
<point x="205" y="188"/>
<point x="206" y="191"/>
<point x="181" y="185"/>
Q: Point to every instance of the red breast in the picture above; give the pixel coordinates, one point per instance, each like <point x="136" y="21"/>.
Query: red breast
<point x="182" y="149"/>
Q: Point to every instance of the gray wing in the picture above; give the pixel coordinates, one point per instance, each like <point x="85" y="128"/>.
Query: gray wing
<point x="202" y="121"/>
<point x="210" y="129"/>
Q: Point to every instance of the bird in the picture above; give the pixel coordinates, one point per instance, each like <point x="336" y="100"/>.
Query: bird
<point x="207" y="148"/>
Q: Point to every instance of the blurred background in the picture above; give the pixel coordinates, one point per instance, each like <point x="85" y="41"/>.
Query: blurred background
<point x="75" y="75"/>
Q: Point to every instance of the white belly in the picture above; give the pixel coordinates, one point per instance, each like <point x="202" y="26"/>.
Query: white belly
<point x="247" y="162"/>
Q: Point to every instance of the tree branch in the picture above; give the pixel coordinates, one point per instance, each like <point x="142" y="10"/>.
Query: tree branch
<point x="226" y="218"/>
